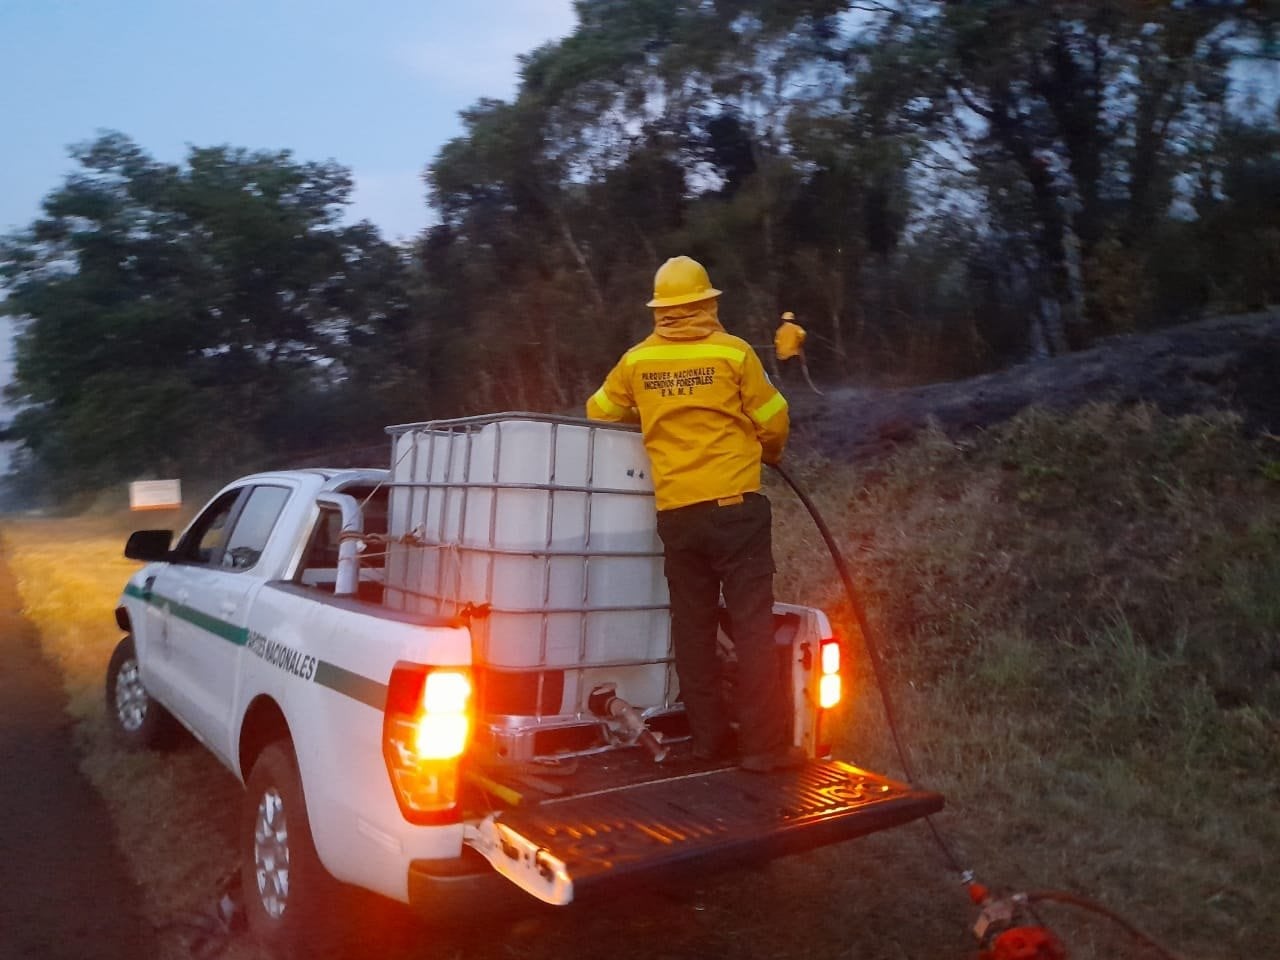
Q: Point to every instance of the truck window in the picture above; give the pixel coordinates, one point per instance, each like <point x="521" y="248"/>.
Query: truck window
<point x="254" y="526"/>
<point x="203" y="542"/>
<point x="322" y="550"/>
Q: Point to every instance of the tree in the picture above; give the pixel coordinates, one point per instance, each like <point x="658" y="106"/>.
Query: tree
<point x="936" y="187"/>
<point x="167" y="313"/>
<point x="1067" y="113"/>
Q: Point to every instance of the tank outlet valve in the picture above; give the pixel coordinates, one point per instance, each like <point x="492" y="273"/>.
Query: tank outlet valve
<point x="605" y="702"/>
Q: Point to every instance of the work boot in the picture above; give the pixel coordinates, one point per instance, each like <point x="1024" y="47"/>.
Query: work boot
<point x="721" y="749"/>
<point x="786" y="758"/>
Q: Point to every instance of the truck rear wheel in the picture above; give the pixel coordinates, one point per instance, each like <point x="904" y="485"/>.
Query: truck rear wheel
<point x="137" y="719"/>
<point x="294" y="907"/>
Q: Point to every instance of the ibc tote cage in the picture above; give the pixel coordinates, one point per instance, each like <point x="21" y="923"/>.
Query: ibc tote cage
<point x="449" y="476"/>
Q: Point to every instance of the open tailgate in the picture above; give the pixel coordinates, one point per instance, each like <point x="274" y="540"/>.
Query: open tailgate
<point x="563" y="847"/>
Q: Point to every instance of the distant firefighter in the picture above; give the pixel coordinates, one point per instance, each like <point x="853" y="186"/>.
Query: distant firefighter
<point x="788" y="342"/>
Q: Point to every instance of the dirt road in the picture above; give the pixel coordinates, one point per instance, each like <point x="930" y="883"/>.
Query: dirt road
<point x="64" y="892"/>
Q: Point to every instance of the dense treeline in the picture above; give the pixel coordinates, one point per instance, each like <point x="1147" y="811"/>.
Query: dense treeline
<point x="934" y="188"/>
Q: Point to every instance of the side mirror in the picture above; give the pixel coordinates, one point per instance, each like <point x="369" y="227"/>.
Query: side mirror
<point x="148" y="545"/>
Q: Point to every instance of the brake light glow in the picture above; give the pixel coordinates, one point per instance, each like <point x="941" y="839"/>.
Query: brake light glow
<point x="425" y="731"/>
<point x="444" y="724"/>
<point x="829" y="686"/>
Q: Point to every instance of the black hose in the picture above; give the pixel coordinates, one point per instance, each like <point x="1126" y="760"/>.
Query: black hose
<point x="873" y="654"/>
<point x="1059" y="896"/>
<point x="860" y="614"/>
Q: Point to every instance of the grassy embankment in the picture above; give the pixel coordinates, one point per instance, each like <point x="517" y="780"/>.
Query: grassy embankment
<point x="1082" y="621"/>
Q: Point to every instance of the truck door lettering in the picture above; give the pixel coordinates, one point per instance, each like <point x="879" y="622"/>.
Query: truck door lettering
<point x="282" y="656"/>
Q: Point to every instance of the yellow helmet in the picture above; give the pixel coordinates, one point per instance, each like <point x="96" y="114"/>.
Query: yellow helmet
<point x="788" y="315"/>
<point x="681" y="280"/>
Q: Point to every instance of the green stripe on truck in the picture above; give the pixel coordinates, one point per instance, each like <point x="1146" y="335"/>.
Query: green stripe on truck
<point x="211" y="624"/>
<point x="352" y="685"/>
<point x="329" y="675"/>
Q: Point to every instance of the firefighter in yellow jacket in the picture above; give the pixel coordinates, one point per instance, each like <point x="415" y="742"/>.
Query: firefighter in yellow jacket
<point x="710" y="416"/>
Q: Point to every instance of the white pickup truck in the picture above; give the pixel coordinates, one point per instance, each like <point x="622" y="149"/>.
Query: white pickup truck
<point x="458" y="670"/>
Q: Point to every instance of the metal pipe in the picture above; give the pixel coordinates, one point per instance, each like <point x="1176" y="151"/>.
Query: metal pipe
<point x="349" y="543"/>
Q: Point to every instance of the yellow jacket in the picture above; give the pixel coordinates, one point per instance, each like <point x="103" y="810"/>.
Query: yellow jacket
<point x="789" y="340"/>
<point x="707" y="410"/>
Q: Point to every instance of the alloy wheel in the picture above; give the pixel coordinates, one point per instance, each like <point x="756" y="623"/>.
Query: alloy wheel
<point x="131" y="697"/>
<point x="271" y="853"/>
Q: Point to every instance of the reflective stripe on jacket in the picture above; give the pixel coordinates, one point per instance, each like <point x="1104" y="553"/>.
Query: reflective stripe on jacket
<point x="707" y="410"/>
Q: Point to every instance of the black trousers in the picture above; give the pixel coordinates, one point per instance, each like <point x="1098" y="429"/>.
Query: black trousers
<point x="708" y="548"/>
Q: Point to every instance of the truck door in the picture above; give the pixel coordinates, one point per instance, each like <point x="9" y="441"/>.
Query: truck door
<point x="168" y="596"/>
<point x="210" y="590"/>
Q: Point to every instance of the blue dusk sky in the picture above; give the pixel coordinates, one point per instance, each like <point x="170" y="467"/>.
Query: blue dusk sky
<point x="376" y="86"/>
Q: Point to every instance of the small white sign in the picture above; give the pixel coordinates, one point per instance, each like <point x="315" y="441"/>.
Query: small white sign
<point x="155" y="494"/>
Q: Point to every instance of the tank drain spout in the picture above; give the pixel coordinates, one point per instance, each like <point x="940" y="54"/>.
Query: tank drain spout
<point x="605" y="702"/>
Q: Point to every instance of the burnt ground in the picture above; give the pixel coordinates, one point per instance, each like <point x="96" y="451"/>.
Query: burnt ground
<point x="1224" y="363"/>
<point x="64" y="889"/>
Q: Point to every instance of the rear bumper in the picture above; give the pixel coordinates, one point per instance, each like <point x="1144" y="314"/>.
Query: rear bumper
<point x="460" y="887"/>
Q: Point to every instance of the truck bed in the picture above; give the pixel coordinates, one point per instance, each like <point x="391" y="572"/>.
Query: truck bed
<point x="620" y="817"/>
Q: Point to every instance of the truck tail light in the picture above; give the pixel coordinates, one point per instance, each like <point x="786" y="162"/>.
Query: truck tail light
<point x="425" y="731"/>
<point x="829" y="687"/>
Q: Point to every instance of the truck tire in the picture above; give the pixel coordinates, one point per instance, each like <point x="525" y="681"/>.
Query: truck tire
<point x="137" y="719"/>
<point x="293" y="906"/>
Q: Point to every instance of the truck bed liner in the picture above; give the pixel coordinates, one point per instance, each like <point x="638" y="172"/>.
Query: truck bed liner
<point x="713" y="817"/>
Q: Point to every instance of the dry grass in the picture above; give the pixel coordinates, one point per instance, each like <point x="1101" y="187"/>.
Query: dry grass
<point x="1082" y="621"/>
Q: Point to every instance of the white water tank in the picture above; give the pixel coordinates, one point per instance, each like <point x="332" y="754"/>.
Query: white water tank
<point x="550" y="522"/>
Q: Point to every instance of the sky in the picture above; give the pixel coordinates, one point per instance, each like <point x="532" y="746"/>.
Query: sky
<point x="375" y="85"/>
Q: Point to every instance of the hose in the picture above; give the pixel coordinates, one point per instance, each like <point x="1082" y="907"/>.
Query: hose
<point x="873" y="654"/>
<point x="860" y="614"/>
<point x="1075" y="900"/>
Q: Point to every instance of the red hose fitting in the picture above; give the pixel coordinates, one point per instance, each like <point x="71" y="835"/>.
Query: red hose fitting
<point x="1025" y="943"/>
<point x="1006" y="929"/>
